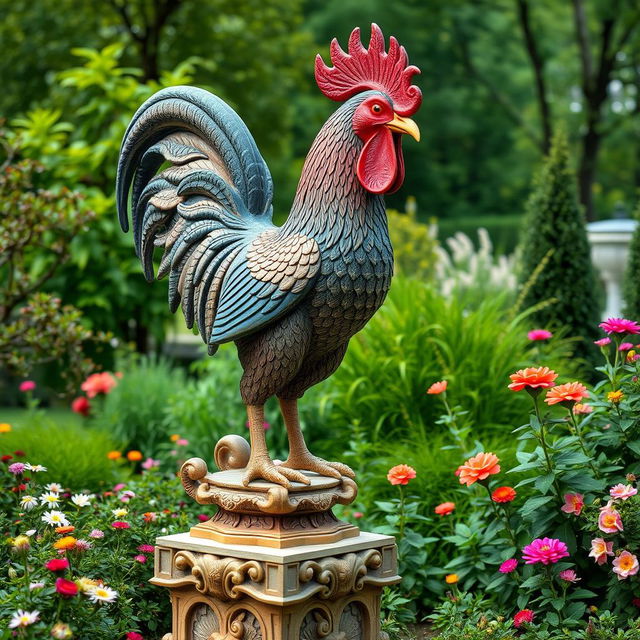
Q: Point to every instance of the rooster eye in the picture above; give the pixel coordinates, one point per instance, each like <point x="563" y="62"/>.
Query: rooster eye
<point x="376" y="108"/>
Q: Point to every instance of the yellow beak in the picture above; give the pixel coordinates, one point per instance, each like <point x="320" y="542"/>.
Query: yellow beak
<point x="404" y="125"/>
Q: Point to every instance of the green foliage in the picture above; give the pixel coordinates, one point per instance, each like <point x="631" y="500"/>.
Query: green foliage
<point x="504" y="230"/>
<point x="632" y="273"/>
<point x="554" y="230"/>
<point x="75" y="456"/>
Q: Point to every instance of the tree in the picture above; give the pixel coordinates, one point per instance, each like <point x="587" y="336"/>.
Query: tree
<point x="632" y="274"/>
<point x="556" y="270"/>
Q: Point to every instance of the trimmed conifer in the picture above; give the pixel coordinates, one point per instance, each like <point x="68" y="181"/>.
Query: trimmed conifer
<point x="556" y="256"/>
<point x="631" y="286"/>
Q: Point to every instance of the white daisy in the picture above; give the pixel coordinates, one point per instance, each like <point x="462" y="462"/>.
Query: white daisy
<point x="55" y="519"/>
<point x="30" y="532"/>
<point x="54" y="487"/>
<point x="119" y="513"/>
<point x="23" y="618"/>
<point x="28" y="502"/>
<point x="36" y="468"/>
<point x="101" y="593"/>
<point x="50" y="499"/>
<point x="81" y="499"/>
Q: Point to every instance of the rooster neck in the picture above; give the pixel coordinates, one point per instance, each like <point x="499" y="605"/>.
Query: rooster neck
<point x="330" y="203"/>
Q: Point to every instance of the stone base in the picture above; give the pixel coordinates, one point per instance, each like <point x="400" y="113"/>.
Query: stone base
<point x="239" y="592"/>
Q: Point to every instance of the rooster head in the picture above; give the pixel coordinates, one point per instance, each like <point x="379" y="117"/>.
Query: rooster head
<point x="381" y="117"/>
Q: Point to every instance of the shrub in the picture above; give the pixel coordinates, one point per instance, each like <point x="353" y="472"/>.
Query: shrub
<point x="556" y="250"/>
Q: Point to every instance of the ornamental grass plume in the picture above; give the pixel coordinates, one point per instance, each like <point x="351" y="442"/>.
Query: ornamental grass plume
<point x="401" y="474"/>
<point x="566" y="394"/>
<point x="625" y="565"/>
<point x="545" y="551"/>
<point x="478" y="468"/>
<point x="533" y="379"/>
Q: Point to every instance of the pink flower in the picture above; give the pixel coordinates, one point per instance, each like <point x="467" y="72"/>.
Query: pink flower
<point x="619" y="325"/>
<point x="182" y="442"/>
<point x="573" y="503"/>
<point x="625" y="346"/>
<point x="150" y="463"/>
<point x="141" y="558"/>
<point x="582" y="408"/>
<point x="544" y="550"/>
<point x="16" y="468"/>
<point x="125" y="496"/>
<point x="508" y="566"/>
<point x="119" y="524"/>
<point x="98" y="383"/>
<point x="96" y="533"/>
<point x="81" y="405"/>
<point x="568" y="575"/>
<point x="600" y="549"/>
<point x="203" y="517"/>
<point x="146" y="548"/>
<point x="622" y="491"/>
<point x="358" y="514"/>
<point x="539" y="334"/>
<point x="625" y="565"/>
<point x="134" y="635"/>
<point x="603" y="342"/>
<point x="119" y="486"/>
<point x="27" y="385"/>
<point x="526" y="615"/>
<point x="609" y="520"/>
<point x="83" y="545"/>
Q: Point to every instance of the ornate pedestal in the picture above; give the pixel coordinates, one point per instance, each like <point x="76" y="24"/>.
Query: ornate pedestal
<point x="240" y="592"/>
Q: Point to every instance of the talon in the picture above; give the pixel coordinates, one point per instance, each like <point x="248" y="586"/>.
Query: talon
<point x="310" y="462"/>
<point x="267" y="470"/>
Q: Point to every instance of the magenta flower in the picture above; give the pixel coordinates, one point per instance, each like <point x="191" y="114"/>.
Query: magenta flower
<point x="619" y="325"/>
<point x="600" y="549"/>
<point x="625" y="346"/>
<point x="27" y="385"/>
<point x="544" y="550"/>
<point x="508" y="566"/>
<point x="120" y="524"/>
<point x="609" y="520"/>
<point x="603" y="342"/>
<point x="119" y="486"/>
<point x="16" y="468"/>
<point x="622" y="491"/>
<point x="569" y="575"/>
<point x="146" y="548"/>
<point x="539" y="334"/>
<point x="625" y="565"/>
<point x="141" y="558"/>
<point x="182" y="442"/>
<point x="573" y="503"/>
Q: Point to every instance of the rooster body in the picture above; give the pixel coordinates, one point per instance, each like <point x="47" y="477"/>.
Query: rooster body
<point x="290" y="297"/>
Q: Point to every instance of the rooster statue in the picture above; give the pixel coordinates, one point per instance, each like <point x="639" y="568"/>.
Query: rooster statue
<point x="290" y="297"/>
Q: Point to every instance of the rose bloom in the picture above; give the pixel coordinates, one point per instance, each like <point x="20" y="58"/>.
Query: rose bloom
<point x="625" y="565"/>
<point x="98" y="383"/>
<point x="539" y="334"/>
<point x="603" y="342"/>
<point x="479" y="467"/>
<point x="27" y="385"/>
<point x="545" y="550"/>
<point x="445" y="508"/>
<point x="570" y="392"/>
<point x="581" y="408"/>
<point x="532" y="378"/>
<point x="134" y="456"/>
<point x="569" y="575"/>
<point x="119" y="524"/>
<point x="57" y="564"/>
<point x="64" y="544"/>
<point x="81" y="405"/>
<point x="508" y="566"/>
<point x="615" y="396"/>
<point x="609" y="520"/>
<point x="401" y="474"/>
<point x="66" y="588"/>
<point x="437" y="388"/>
<point x="526" y="615"/>
<point x="619" y="325"/>
<point x="573" y="503"/>
<point x="503" y="494"/>
<point x="451" y="578"/>
<point x="600" y="549"/>
<point x="622" y="491"/>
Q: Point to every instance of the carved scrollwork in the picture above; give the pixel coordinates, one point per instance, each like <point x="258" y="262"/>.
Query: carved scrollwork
<point x="232" y="452"/>
<point x="315" y="626"/>
<point x="222" y="578"/>
<point x="340" y="576"/>
<point x="243" y="626"/>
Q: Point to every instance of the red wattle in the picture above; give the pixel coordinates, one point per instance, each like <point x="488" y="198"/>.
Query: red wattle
<point x="377" y="165"/>
<point x="397" y="183"/>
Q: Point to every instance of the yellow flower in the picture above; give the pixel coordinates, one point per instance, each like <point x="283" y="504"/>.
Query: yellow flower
<point x="21" y="543"/>
<point x="615" y="396"/>
<point x="5" y="427"/>
<point x="68" y="542"/>
<point x="114" y="455"/>
<point x="84" y="584"/>
<point x="452" y="578"/>
<point x="174" y="437"/>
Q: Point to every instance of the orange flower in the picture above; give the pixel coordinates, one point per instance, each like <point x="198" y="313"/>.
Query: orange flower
<point x="503" y="494"/>
<point x="452" y="578"/>
<point x="114" y="455"/>
<point x="479" y="467"/>
<point x="615" y="396"/>
<point x="63" y="530"/>
<point x="66" y="543"/>
<point x="401" y="474"/>
<point x="445" y="508"/>
<point x="437" y="388"/>
<point x="570" y="393"/>
<point x="174" y="437"/>
<point x="134" y="456"/>
<point x="98" y="383"/>
<point x="533" y="379"/>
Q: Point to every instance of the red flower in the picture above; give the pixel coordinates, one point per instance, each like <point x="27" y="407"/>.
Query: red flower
<point x="6" y="458"/>
<point x="401" y="474"/>
<point x="526" y="615"/>
<point x="81" y="405"/>
<point x="119" y="524"/>
<point x="27" y="385"/>
<point x="503" y="494"/>
<point x="57" y="564"/>
<point x="66" y="588"/>
<point x="98" y="383"/>
<point x="437" y="388"/>
<point x="203" y="517"/>
<point x="134" y="635"/>
<point x="445" y="508"/>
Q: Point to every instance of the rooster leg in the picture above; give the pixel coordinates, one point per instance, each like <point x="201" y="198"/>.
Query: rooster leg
<point x="260" y="464"/>
<point x="299" y="456"/>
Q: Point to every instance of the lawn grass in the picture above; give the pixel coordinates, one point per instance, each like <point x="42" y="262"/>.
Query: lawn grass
<point x="17" y="416"/>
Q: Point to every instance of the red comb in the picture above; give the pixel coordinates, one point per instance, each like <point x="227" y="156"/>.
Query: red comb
<point x="365" y="69"/>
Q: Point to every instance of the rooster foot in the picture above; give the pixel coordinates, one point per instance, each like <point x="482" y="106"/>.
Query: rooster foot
<point x="309" y="462"/>
<point x="265" y="469"/>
